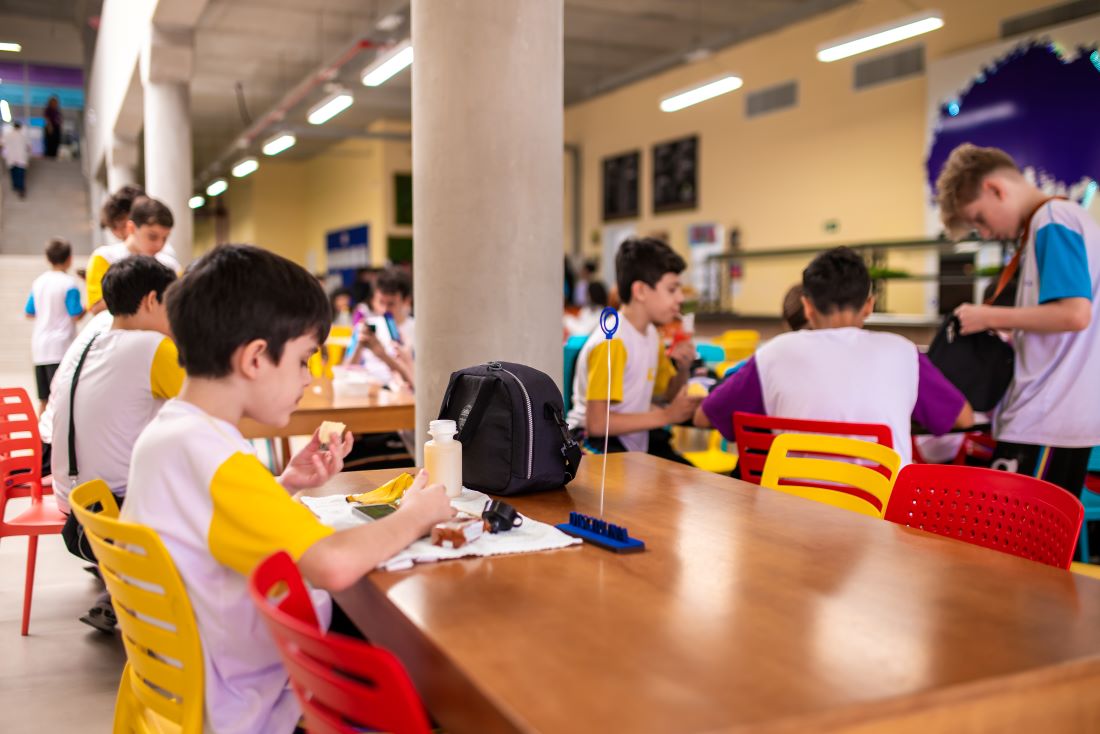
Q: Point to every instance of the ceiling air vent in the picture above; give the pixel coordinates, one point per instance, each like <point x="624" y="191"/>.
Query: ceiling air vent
<point x="1046" y="17"/>
<point x="771" y="99"/>
<point x="889" y="68"/>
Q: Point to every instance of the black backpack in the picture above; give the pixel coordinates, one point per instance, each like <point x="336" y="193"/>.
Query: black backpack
<point x="511" y="424"/>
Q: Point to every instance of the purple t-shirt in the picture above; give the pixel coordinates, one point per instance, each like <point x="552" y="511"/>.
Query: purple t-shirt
<point x="835" y="384"/>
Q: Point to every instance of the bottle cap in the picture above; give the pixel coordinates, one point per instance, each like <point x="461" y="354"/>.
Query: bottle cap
<point x="442" y="428"/>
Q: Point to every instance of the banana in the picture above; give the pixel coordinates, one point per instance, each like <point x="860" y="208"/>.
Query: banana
<point x="387" y="494"/>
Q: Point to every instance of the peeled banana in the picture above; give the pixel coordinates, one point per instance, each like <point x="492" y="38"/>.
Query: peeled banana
<point x="387" y="494"/>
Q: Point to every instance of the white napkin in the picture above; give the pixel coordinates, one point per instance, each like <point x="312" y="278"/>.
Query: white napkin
<point x="336" y="512"/>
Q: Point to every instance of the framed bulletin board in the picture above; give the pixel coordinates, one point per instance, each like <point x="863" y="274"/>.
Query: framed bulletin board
<point x="620" y="186"/>
<point x="675" y="175"/>
<point x="403" y="199"/>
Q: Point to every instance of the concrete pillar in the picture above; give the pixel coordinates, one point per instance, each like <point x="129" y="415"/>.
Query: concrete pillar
<point x="487" y="181"/>
<point x="96" y="196"/>
<point x="166" y="64"/>
<point x="122" y="160"/>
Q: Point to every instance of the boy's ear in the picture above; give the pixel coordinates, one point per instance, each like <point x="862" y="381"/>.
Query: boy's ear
<point x="868" y="307"/>
<point x="995" y="186"/>
<point x="808" y="308"/>
<point x="131" y="228"/>
<point x="637" y="290"/>
<point x="148" y="302"/>
<point x="249" y="358"/>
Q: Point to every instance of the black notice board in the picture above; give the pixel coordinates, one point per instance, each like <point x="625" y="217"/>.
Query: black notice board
<point x="675" y="175"/>
<point x="620" y="186"/>
<point x="403" y="199"/>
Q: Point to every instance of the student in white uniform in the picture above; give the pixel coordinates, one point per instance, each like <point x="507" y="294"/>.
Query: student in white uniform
<point x="218" y="510"/>
<point x="108" y="391"/>
<point x="55" y="306"/>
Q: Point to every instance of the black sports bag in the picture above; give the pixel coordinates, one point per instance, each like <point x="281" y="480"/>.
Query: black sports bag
<point x="512" y="427"/>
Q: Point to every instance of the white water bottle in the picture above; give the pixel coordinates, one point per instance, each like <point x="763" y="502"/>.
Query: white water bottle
<point x="443" y="457"/>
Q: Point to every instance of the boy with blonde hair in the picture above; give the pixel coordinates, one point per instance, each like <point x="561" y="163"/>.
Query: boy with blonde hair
<point x="198" y="483"/>
<point x="1047" y="422"/>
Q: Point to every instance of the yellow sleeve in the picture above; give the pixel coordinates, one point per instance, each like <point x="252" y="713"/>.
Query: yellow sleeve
<point x="597" y="371"/>
<point x="666" y="370"/>
<point x="254" y="516"/>
<point x="165" y="374"/>
<point x="97" y="267"/>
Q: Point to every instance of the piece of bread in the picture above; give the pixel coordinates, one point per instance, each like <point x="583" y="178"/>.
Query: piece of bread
<point x="329" y="429"/>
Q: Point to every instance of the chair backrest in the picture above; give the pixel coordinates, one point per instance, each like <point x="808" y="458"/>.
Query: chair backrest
<point x="819" y="468"/>
<point x="20" y="445"/>
<point x="164" y="669"/>
<point x="739" y="343"/>
<point x="570" y="352"/>
<point x="755" y="433"/>
<point x="344" y="685"/>
<point x="1012" y="513"/>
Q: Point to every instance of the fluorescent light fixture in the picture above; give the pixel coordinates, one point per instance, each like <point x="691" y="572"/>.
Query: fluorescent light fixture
<point x="384" y="67"/>
<point x="217" y="187"/>
<point x="13" y="47"/>
<point x="245" y="167"/>
<point x="880" y="36"/>
<point x="196" y="202"/>
<point x="5" y="111"/>
<point x="279" y="143"/>
<point x="695" y="95"/>
<point x="329" y="107"/>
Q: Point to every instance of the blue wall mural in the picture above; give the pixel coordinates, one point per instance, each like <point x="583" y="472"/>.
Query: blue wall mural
<point x="1041" y="104"/>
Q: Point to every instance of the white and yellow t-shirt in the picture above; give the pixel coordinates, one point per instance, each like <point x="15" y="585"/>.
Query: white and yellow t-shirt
<point x="220" y="512"/>
<point x="106" y="256"/>
<point x="126" y="378"/>
<point x="640" y="369"/>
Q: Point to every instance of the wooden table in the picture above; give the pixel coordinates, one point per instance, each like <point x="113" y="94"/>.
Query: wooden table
<point x="751" y="611"/>
<point x="386" y="411"/>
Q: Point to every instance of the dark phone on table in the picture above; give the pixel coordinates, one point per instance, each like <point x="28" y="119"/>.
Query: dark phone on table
<point x="392" y="326"/>
<point x="376" y="512"/>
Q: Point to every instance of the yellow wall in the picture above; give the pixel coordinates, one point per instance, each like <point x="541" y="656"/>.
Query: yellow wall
<point x="853" y="157"/>
<point x="289" y="206"/>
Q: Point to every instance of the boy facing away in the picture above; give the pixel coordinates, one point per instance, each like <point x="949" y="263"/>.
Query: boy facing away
<point x="55" y="306"/>
<point x="198" y="483"/>
<point x="147" y="229"/>
<point x="641" y="373"/>
<point x="1047" y="422"/>
<point x="836" y="370"/>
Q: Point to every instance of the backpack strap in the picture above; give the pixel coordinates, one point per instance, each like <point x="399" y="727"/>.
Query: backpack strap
<point x="73" y="470"/>
<point x="570" y="449"/>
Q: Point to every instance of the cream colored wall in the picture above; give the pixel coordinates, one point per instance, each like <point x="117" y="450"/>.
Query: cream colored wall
<point x="853" y="157"/>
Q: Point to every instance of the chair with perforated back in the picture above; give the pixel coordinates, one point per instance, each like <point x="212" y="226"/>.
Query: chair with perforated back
<point x="162" y="684"/>
<point x="18" y="421"/>
<point x="344" y="685"/>
<point x="755" y="433"/>
<point x="1011" y="513"/>
<point x="848" y="473"/>
<point x="20" y="465"/>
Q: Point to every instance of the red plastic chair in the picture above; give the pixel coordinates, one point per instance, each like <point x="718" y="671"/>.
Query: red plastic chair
<point x="18" y="420"/>
<point x="20" y="465"/>
<point x="1012" y="513"/>
<point x="755" y="433"/>
<point x="343" y="684"/>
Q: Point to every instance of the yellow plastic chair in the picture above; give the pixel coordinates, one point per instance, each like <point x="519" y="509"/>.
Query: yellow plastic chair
<point x="162" y="685"/>
<point x="739" y="343"/>
<point x="714" y="458"/>
<point x="827" y="476"/>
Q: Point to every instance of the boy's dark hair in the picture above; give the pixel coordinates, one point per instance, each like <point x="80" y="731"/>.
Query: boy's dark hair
<point x="597" y="293"/>
<point x="646" y="259"/>
<point x="131" y="279"/>
<point x="793" y="312"/>
<point x="238" y="293"/>
<point x="118" y="205"/>
<point x="146" y="211"/>
<point x="837" y="280"/>
<point x="58" y="251"/>
<point x="395" y="280"/>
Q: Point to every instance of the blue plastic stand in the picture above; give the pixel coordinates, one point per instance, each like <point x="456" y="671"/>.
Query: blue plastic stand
<point x="599" y="532"/>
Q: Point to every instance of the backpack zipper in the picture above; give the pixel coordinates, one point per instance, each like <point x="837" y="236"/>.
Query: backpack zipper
<point x="530" y="417"/>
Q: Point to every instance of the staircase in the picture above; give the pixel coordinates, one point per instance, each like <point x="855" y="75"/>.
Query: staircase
<point x="56" y="206"/>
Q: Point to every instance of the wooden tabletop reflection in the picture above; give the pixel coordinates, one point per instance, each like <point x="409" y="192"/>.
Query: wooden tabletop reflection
<point x="751" y="610"/>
